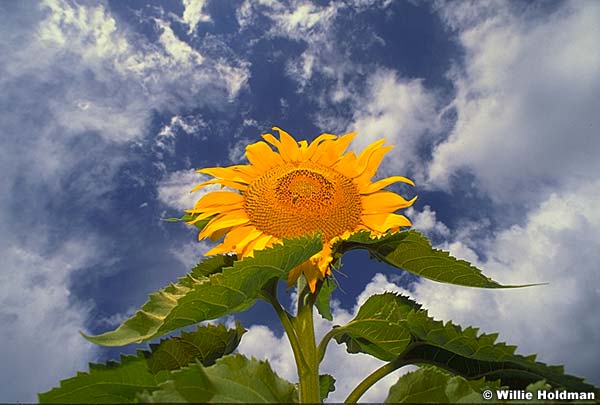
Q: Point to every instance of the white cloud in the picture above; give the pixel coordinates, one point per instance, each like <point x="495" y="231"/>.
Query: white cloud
<point x="174" y="190"/>
<point x="402" y="111"/>
<point x="179" y="50"/>
<point x="40" y="336"/>
<point x="237" y="151"/>
<point x="306" y="22"/>
<point x="77" y="85"/>
<point x="527" y="100"/>
<point x="165" y="139"/>
<point x="279" y="352"/>
<point x="426" y="222"/>
<point x="192" y="253"/>
<point x="92" y="67"/>
<point x="194" y="14"/>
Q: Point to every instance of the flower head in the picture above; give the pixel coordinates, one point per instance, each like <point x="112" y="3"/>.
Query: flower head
<point x="299" y="189"/>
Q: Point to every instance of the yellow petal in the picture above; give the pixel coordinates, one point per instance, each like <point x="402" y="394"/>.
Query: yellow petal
<point x="248" y="172"/>
<point x="237" y="238"/>
<point x="384" y="202"/>
<point x="223" y="221"/>
<point x="365" y="155"/>
<point x="288" y="147"/>
<point x="334" y="150"/>
<point x="241" y="246"/>
<point x="218" y="250"/>
<point x="382" y="223"/>
<point x="312" y="148"/>
<point x="218" y="198"/>
<point x="223" y="183"/>
<point x="219" y="234"/>
<point x="254" y="245"/>
<point x="368" y="171"/>
<point x="311" y="273"/>
<point x="347" y="165"/>
<point x="369" y="188"/>
<point x="261" y="242"/>
<point x="233" y="173"/>
<point x="261" y="156"/>
<point x="204" y="215"/>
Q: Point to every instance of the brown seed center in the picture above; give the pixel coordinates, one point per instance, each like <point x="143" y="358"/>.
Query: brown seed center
<point x="298" y="199"/>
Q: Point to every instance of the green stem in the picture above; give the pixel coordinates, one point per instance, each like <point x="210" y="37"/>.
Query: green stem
<point x="270" y="293"/>
<point x="373" y="378"/>
<point x="308" y="372"/>
<point x="325" y="341"/>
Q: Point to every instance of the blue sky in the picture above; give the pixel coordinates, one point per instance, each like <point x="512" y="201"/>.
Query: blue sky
<point x="107" y="107"/>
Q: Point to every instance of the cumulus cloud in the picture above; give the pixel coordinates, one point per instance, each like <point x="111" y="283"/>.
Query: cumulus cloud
<point x="348" y="369"/>
<point x="307" y="22"/>
<point x="526" y="99"/>
<point x="400" y="110"/>
<point x="174" y="190"/>
<point x="192" y="253"/>
<point x="78" y="87"/>
<point x="130" y="75"/>
<point x="164" y="143"/>
<point x="313" y="25"/>
<point x="40" y="323"/>
<point x="194" y="14"/>
<point x="426" y="221"/>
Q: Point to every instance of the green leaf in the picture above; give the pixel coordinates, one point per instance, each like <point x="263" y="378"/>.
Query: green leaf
<point x="234" y="378"/>
<point x="474" y="356"/>
<point x="324" y="297"/>
<point x="448" y="346"/>
<point x="379" y="328"/>
<point x="189" y="217"/>
<point x="206" y="344"/>
<point x="198" y="298"/>
<point x="122" y="382"/>
<point x="410" y="251"/>
<point x="326" y="385"/>
<point x="110" y="383"/>
<point x="212" y="265"/>
<point x="432" y="385"/>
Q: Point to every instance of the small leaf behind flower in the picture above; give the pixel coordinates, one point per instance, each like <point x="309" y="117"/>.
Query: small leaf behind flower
<point x="189" y="217"/>
<point x="110" y="383"/>
<point x="122" y="382"/>
<point x="326" y="384"/>
<point x="206" y="345"/>
<point x="433" y="385"/>
<point x="210" y="292"/>
<point x="324" y="297"/>
<point x="410" y="251"/>
<point x="233" y="379"/>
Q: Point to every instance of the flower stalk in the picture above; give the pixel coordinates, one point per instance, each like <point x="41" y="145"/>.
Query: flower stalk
<point x="372" y="378"/>
<point x="308" y="372"/>
<point x="301" y="334"/>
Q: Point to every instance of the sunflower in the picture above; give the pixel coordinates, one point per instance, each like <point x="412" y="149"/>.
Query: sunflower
<point x="297" y="190"/>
